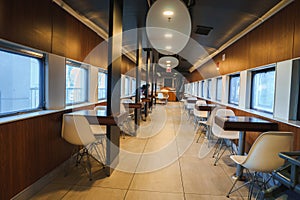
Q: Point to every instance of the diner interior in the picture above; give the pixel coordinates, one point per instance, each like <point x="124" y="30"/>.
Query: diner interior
<point x="150" y="99"/>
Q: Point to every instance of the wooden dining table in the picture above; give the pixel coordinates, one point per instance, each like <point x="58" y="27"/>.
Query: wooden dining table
<point x="244" y="124"/>
<point x="100" y="117"/>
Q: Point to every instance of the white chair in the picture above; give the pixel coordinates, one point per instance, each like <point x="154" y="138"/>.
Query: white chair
<point x="263" y="157"/>
<point x="200" y="117"/>
<point x="162" y="98"/>
<point x="129" y="110"/>
<point x="189" y="107"/>
<point x="222" y="135"/>
<point x="125" y="126"/>
<point x="76" y="130"/>
<point x="99" y="129"/>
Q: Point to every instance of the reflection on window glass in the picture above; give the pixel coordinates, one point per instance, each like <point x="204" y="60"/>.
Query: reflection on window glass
<point x="20" y="83"/>
<point x="263" y="88"/>
<point x="209" y="89"/>
<point x="102" y="82"/>
<point x="234" y="89"/>
<point x="133" y="86"/>
<point x="76" y="84"/>
<point x="219" y="89"/>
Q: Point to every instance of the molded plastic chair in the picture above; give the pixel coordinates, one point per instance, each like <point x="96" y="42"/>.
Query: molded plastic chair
<point x="76" y="130"/>
<point x="190" y="106"/>
<point x="263" y="157"/>
<point x="161" y="98"/>
<point x="223" y="135"/>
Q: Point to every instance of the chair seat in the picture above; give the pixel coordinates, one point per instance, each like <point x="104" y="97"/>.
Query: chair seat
<point x="220" y="133"/>
<point x="98" y="129"/>
<point x="238" y="159"/>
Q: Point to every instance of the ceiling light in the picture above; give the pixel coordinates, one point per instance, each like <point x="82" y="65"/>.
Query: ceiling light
<point x="168" y="13"/>
<point x="168" y="35"/>
<point x="173" y="62"/>
<point x="175" y="27"/>
<point x="168" y="47"/>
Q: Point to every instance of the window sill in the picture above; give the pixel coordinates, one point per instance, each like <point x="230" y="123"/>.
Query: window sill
<point x="23" y="116"/>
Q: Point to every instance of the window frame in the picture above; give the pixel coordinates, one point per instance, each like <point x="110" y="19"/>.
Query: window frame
<point x="229" y="90"/>
<point x="253" y="73"/>
<point x="217" y="81"/>
<point x="80" y="66"/>
<point x="209" y="87"/>
<point x="202" y="89"/>
<point x="104" y="72"/>
<point x="40" y="57"/>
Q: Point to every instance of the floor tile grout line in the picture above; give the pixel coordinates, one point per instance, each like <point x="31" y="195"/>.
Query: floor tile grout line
<point x="180" y="169"/>
<point x="142" y="153"/>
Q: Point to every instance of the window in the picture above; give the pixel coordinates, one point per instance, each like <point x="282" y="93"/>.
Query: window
<point x="209" y="89"/>
<point x="199" y="88"/>
<point x="127" y="84"/>
<point x="102" y="82"/>
<point x="263" y="89"/>
<point x="21" y="83"/>
<point x="76" y="83"/>
<point x="219" y="89"/>
<point x="133" y="86"/>
<point x="202" y="88"/>
<point x="234" y="89"/>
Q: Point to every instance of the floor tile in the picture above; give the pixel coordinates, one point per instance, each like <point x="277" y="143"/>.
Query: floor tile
<point x="167" y="179"/>
<point x="209" y="197"/>
<point x="146" y="195"/>
<point x="52" y="191"/>
<point x="94" y="193"/>
<point x="201" y="177"/>
<point x="117" y="180"/>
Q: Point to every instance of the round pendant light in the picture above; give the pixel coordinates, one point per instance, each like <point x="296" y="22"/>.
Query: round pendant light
<point x="168" y="26"/>
<point x="168" y="62"/>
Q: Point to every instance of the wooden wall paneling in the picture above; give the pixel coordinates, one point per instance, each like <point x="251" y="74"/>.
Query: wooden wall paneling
<point x="32" y="148"/>
<point x="128" y="66"/>
<point x="27" y="23"/>
<point x="296" y="45"/>
<point x="272" y="41"/>
<point x="66" y="34"/>
<point x="74" y="40"/>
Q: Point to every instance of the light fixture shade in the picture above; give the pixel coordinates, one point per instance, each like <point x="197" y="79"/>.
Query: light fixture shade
<point x="168" y="26"/>
<point x="168" y="62"/>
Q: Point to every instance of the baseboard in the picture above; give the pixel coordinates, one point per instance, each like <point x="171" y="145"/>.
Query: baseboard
<point x="31" y="190"/>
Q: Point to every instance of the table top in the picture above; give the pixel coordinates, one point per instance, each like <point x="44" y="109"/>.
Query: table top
<point x="133" y="105"/>
<point x="191" y="100"/>
<point x="100" y="117"/>
<point x="245" y="123"/>
<point x="146" y="99"/>
<point x="205" y="107"/>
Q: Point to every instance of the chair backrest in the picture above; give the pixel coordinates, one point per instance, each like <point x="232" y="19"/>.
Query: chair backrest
<point x="199" y="102"/>
<point x="160" y="95"/>
<point x="76" y="130"/>
<point x="219" y="131"/>
<point x="224" y="113"/>
<point x="263" y="155"/>
<point x="126" y="101"/>
<point x="100" y="108"/>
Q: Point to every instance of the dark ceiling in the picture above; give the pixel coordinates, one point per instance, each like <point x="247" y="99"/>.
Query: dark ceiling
<point x="222" y="19"/>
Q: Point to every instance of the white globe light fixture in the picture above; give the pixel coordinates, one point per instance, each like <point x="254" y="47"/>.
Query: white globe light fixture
<point x="168" y="62"/>
<point x="168" y="26"/>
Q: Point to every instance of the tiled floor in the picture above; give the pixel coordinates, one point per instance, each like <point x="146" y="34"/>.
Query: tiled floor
<point x="163" y="163"/>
